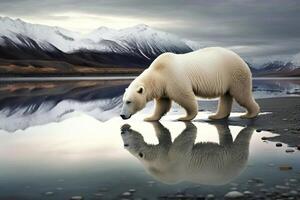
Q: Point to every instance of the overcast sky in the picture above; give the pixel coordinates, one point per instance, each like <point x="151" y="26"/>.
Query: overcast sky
<point x="260" y="30"/>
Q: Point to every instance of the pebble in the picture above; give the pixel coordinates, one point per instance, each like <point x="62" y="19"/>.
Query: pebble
<point x="49" y="193"/>
<point x="258" y="130"/>
<point x="285" y="167"/>
<point x="234" y="184"/>
<point x="132" y="190"/>
<point x="271" y="164"/>
<point x="248" y="193"/>
<point x="76" y="198"/>
<point x="293" y="193"/>
<point x="269" y="194"/>
<point x="290" y="150"/>
<point x="260" y="185"/>
<point x="278" y="145"/>
<point x="282" y="187"/>
<point x="263" y="190"/>
<point x="285" y="195"/>
<point x="298" y="147"/>
<point x="104" y="189"/>
<point x="126" y="194"/>
<point x="250" y="181"/>
<point x="98" y="194"/>
<point x="210" y="196"/>
<point x="233" y="195"/>
<point x="179" y="196"/>
<point x="284" y="119"/>
<point x="257" y="180"/>
<point x="286" y="129"/>
<point x="292" y="180"/>
<point x="59" y="188"/>
<point x="200" y="197"/>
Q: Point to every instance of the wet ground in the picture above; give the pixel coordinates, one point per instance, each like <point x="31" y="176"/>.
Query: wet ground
<point x="64" y="140"/>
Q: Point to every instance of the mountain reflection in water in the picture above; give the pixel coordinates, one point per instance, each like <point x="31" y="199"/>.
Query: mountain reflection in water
<point x="28" y="104"/>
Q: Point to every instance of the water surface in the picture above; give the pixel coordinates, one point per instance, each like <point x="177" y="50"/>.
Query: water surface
<point x="64" y="138"/>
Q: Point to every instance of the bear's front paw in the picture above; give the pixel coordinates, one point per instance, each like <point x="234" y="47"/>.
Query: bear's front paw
<point x="151" y="119"/>
<point x="217" y="117"/>
<point x="248" y="116"/>
<point x="185" y="118"/>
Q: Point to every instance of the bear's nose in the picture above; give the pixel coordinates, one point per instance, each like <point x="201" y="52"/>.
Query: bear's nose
<point x="125" y="117"/>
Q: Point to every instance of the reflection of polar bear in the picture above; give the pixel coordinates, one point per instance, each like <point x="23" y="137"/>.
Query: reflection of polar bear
<point x="209" y="73"/>
<point x="205" y="163"/>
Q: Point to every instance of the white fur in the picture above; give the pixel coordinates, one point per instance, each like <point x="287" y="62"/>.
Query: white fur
<point x="208" y="73"/>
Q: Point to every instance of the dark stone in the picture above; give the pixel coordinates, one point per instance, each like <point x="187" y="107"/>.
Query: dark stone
<point x="200" y="197"/>
<point x="278" y="144"/>
<point x="290" y="150"/>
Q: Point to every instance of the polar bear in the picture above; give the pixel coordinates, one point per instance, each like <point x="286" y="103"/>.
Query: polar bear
<point x="182" y="160"/>
<point x="207" y="73"/>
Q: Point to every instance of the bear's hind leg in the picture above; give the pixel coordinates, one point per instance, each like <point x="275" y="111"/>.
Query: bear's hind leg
<point x="252" y="109"/>
<point x="248" y="102"/>
<point x="189" y="103"/>
<point x="224" y="107"/>
<point x="162" y="106"/>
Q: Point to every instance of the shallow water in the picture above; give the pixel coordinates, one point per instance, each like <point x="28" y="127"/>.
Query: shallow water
<point x="276" y="87"/>
<point x="83" y="156"/>
<point x="62" y="139"/>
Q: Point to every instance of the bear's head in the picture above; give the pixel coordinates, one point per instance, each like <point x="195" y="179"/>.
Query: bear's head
<point x="134" y="141"/>
<point x="134" y="100"/>
<point x="153" y="157"/>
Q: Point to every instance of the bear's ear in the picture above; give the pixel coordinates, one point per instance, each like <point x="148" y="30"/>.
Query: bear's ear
<point x="141" y="90"/>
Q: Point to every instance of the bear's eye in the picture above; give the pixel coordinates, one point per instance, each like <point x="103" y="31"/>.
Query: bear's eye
<point x="128" y="102"/>
<point x="141" y="154"/>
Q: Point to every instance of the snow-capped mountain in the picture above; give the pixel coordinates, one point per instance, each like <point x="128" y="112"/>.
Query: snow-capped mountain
<point x="17" y="30"/>
<point x="277" y="68"/>
<point x="140" y="40"/>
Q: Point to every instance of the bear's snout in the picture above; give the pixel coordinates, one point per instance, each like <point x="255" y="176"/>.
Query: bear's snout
<point x="124" y="128"/>
<point x="125" y="117"/>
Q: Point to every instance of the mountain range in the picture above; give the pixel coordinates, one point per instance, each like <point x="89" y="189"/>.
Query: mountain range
<point x="56" y="49"/>
<point x="277" y="68"/>
<point x="31" y="49"/>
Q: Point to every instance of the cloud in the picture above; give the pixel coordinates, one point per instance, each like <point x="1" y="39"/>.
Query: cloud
<point x="262" y="28"/>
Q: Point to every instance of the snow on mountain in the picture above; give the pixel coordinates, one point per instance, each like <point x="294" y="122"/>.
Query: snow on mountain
<point x="139" y="39"/>
<point x="58" y="37"/>
<point x="277" y="66"/>
<point x="296" y="60"/>
<point x="193" y="45"/>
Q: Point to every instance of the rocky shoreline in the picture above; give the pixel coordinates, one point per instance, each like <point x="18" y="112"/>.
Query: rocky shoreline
<point x="281" y="116"/>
